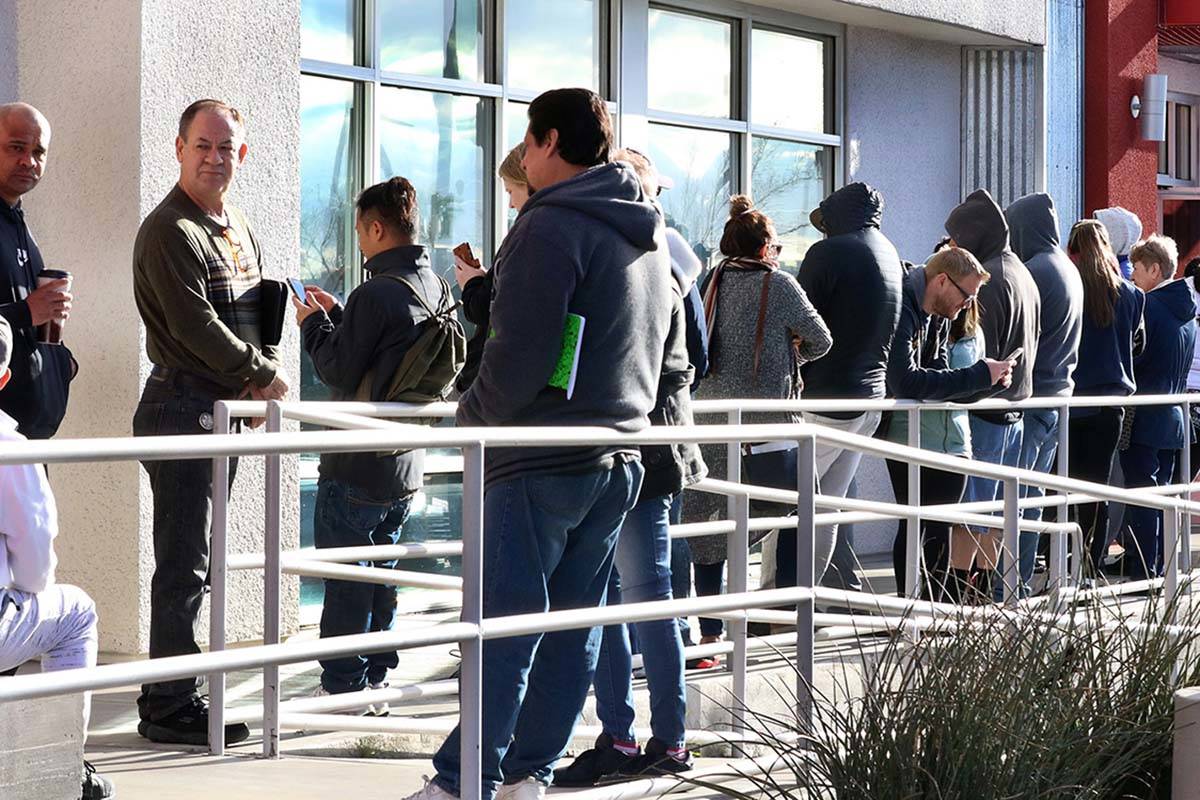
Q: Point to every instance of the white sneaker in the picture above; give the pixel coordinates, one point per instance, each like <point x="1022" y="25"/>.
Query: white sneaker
<point x="378" y="709"/>
<point x="431" y="791"/>
<point x="528" y="789"/>
<point x="321" y="691"/>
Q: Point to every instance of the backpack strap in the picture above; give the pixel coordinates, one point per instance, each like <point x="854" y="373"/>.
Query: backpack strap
<point x="419" y="297"/>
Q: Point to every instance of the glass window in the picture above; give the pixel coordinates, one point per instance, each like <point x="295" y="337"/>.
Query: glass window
<point x="789" y="181"/>
<point x="432" y="37"/>
<point x="700" y="164"/>
<point x="1183" y="141"/>
<point x="787" y="81"/>
<point x="437" y="141"/>
<point x="327" y="30"/>
<point x="690" y="65"/>
<point x="516" y="120"/>
<point x="553" y="44"/>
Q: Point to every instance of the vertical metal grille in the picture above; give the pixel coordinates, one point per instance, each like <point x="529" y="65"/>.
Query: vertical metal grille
<point x="1064" y="109"/>
<point x="1002" y="113"/>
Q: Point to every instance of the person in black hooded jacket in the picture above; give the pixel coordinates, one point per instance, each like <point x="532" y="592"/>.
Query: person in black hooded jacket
<point x="853" y="279"/>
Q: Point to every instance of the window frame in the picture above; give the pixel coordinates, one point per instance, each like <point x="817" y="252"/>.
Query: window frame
<point x="1168" y="180"/>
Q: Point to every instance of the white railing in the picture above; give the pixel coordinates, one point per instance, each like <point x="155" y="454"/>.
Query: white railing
<point x="365" y="429"/>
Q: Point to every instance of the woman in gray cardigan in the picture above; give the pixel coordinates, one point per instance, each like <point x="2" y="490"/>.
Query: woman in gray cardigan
<point x="761" y="328"/>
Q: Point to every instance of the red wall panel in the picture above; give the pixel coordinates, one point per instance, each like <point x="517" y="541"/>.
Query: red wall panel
<point x="1181" y="12"/>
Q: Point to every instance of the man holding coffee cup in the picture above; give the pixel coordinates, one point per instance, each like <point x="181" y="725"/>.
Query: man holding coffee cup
<point x="198" y="286"/>
<point x="34" y="300"/>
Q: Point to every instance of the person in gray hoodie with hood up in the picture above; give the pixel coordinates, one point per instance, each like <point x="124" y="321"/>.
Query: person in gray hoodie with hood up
<point x="588" y="243"/>
<point x="1124" y="230"/>
<point x="1033" y="229"/>
<point x="1010" y="313"/>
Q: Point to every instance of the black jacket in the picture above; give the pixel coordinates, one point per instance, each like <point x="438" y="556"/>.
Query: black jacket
<point x="853" y="279"/>
<point x="36" y="396"/>
<point x="477" y="304"/>
<point x="374" y="331"/>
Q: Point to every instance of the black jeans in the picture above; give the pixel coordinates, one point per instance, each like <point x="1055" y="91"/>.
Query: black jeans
<point x="710" y="579"/>
<point x="937" y="487"/>
<point x="1093" y="447"/>
<point x="175" y="403"/>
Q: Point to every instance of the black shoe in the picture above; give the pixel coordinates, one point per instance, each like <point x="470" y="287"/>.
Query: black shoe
<point x="189" y="725"/>
<point x="590" y="766"/>
<point x="95" y="786"/>
<point x="656" y="762"/>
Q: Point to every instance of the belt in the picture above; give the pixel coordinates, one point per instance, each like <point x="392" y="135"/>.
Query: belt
<point x="190" y="380"/>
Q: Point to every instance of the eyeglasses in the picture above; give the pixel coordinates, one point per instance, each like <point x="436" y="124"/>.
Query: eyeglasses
<point x="968" y="299"/>
<point x="774" y="249"/>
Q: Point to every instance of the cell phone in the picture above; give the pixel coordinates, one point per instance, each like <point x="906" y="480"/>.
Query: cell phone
<point x="297" y="287"/>
<point x="463" y="251"/>
<point x="1015" y="354"/>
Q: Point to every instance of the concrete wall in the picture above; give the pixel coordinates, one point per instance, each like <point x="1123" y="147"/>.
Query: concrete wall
<point x="8" y="50"/>
<point x="112" y="160"/>
<point x="1182" y="76"/>
<point x="962" y="21"/>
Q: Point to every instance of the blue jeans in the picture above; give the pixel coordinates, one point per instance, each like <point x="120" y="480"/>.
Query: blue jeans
<point x="1039" y="445"/>
<point x="995" y="444"/>
<point x="1146" y="466"/>
<point x="548" y="545"/>
<point x="641" y="573"/>
<point x="345" y="517"/>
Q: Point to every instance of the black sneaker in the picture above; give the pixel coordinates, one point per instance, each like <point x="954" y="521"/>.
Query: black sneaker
<point x="590" y="766"/>
<point x="95" y="786"/>
<point x="656" y="762"/>
<point x="189" y="725"/>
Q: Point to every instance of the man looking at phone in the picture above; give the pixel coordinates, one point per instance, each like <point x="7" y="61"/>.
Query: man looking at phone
<point x="363" y="499"/>
<point x="41" y="373"/>
<point x="197" y="282"/>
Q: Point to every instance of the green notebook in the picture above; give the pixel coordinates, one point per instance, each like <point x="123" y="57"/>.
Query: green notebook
<point x="567" y="368"/>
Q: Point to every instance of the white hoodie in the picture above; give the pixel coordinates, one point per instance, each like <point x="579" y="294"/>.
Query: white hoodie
<point x="1123" y="226"/>
<point x="28" y="521"/>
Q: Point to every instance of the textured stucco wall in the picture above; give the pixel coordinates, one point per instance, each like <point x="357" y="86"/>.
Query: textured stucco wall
<point x="962" y="21"/>
<point x="1182" y="76"/>
<point x="8" y="50"/>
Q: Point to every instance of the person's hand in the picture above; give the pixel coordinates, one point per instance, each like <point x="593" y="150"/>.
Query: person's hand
<point x="277" y="389"/>
<point x="304" y="310"/>
<point x="323" y="298"/>
<point x="48" y="303"/>
<point x="464" y="273"/>
<point x="1001" y="372"/>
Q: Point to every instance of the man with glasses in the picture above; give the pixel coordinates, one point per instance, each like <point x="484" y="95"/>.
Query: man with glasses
<point x="1010" y="314"/>
<point x="197" y="282"/>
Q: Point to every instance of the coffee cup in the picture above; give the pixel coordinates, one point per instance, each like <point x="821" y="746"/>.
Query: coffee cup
<point x="51" y="332"/>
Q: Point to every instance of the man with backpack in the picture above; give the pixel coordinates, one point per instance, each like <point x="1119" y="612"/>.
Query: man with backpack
<point x="396" y="339"/>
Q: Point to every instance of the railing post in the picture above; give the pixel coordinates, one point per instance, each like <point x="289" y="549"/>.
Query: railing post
<point x="913" y="543"/>
<point x="272" y="577"/>
<point x="1185" y="466"/>
<point x="217" y="579"/>
<point x="1012" y="541"/>
<point x="470" y="686"/>
<point x="1170" y="555"/>
<point x="806" y="509"/>
<point x="1058" y="542"/>
<point x="739" y="579"/>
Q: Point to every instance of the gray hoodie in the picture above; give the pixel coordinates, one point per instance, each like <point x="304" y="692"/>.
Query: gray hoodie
<point x="1009" y="305"/>
<point x="1033" y="229"/>
<point x="595" y="246"/>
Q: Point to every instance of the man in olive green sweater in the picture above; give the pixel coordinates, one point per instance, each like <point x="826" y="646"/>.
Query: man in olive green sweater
<point x="197" y="283"/>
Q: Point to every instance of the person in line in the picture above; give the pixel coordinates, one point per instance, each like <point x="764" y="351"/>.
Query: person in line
<point x="589" y="243"/>
<point x="1191" y="274"/>
<point x="1124" y="230"/>
<point x="1158" y="432"/>
<point x="1112" y="318"/>
<point x="1033" y="228"/>
<point x="919" y="369"/>
<point x="197" y="274"/>
<point x="37" y="394"/>
<point x="39" y="618"/>
<point x="761" y="329"/>
<point x="363" y="499"/>
<point x="1010" y="312"/>
<point x="853" y="278"/>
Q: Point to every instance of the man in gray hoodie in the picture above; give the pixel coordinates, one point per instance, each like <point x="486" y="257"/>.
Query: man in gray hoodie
<point x="1010" y="311"/>
<point x="587" y="253"/>
<point x="1033" y="229"/>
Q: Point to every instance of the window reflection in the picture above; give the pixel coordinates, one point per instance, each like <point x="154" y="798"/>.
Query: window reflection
<point x="787" y="81"/>
<point x="789" y="181"/>
<point x="699" y="162"/>
<point x="553" y="44"/>
<point x="327" y="30"/>
<point x="690" y="64"/>
<point x="443" y="38"/>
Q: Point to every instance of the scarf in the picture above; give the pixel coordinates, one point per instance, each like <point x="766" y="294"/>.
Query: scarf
<point x="739" y="264"/>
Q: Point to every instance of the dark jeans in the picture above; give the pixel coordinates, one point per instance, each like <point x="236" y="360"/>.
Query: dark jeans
<point x="182" y="491"/>
<point x="1146" y="466"/>
<point x="710" y="579"/>
<point x="937" y="487"/>
<point x="1093" y="447"/>
<point x="345" y="517"/>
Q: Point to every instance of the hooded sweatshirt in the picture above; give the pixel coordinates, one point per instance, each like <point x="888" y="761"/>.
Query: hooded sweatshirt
<point x="686" y="269"/>
<point x="1033" y="229"/>
<point x="1009" y="305"/>
<point x="1162" y="366"/>
<point x="1124" y="229"/>
<point x="592" y="245"/>
<point x="853" y="280"/>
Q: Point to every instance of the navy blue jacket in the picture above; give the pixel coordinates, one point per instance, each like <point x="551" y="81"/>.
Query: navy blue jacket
<point x="1105" y="366"/>
<point x="36" y="396"/>
<point x="1162" y="366"/>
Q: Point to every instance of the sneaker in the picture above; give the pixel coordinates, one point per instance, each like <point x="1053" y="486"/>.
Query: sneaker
<point x="656" y="762"/>
<point x="321" y="691"/>
<point x="705" y="662"/>
<point x="591" y="765"/>
<point x="527" y="789"/>
<point x="431" y="791"/>
<point x="189" y="725"/>
<point x="95" y="786"/>
<point x="378" y="709"/>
